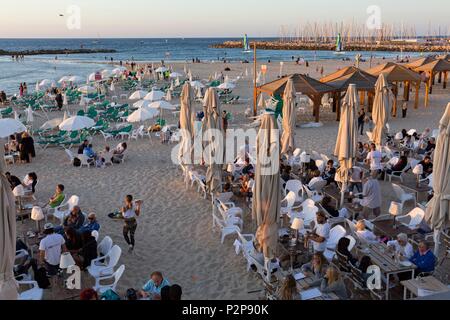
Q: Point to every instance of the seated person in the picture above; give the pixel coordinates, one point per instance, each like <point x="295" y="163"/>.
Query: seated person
<point x="286" y="174"/>
<point x="89" y="153"/>
<point x="364" y="265"/>
<point x="316" y="178"/>
<point x="424" y="259"/>
<point x="83" y="146"/>
<point x="331" y="283"/>
<point x="29" y="182"/>
<point x="429" y="148"/>
<point x="119" y="152"/>
<point x="75" y="219"/>
<point x="87" y="252"/>
<point x="330" y="172"/>
<point x="317" y="268"/>
<point x="106" y="155"/>
<point x="73" y="240"/>
<point x="12" y="146"/>
<point x="399" y="166"/>
<point x="427" y="167"/>
<point x="320" y="234"/>
<point x="365" y="234"/>
<point x="401" y="247"/>
<point x="90" y="225"/>
<point x="13" y="180"/>
<point x="342" y="248"/>
<point x="246" y="186"/>
<point x="326" y="205"/>
<point x="57" y="199"/>
<point x="288" y="290"/>
<point x="152" y="289"/>
<point x="248" y="168"/>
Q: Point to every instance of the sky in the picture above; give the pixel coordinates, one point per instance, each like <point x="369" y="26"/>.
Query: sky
<point x="204" y="18"/>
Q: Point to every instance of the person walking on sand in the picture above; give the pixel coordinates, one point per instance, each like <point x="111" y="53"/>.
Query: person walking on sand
<point x="361" y="121"/>
<point x="130" y="211"/>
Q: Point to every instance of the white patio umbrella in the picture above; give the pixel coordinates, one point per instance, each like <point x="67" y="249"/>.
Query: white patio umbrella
<point x="8" y="286"/>
<point x="77" y="123"/>
<point x="141" y="104"/>
<point x="10" y="126"/>
<point x="87" y="89"/>
<point x="30" y="116"/>
<point x="138" y="95"/>
<point x="106" y="73"/>
<point x="75" y="79"/>
<point x="63" y="79"/>
<point x="175" y="75"/>
<point x="118" y="71"/>
<point x="16" y="116"/>
<point x="177" y="82"/>
<point x="51" y="124"/>
<point x="142" y="114"/>
<point x="162" y="105"/>
<point x="154" y="95"/>
<point x="197" y="84"/>
<point x="161" y="70"/>
<point x="227" y="86"/>
<point x="380" y="112"/>
<point x="45" y="83"/>
<point x="91" y="77"/>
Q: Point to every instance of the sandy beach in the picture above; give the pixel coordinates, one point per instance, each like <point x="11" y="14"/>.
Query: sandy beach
<point x="174" y="232"/>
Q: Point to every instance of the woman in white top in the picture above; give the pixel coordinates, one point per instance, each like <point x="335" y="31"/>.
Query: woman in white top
<point x="130" y="213"/>
<point x="365" y="234"/>
<point x="402" y="247"/>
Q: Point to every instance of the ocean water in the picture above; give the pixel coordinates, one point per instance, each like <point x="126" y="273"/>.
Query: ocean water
<point x="36" y="68"/>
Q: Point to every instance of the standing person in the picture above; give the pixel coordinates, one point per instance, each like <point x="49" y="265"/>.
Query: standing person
<point x="50" y="249"/>
<point x="25" y="88"/>
<point x="26" y="147"/>
<point x="361" y="120"/>
<point x="374" y="159"/>
<point x="371" y="196"/>
<point x="130" y="212"/>
<point x="404" y="109"/>
<point x="59" y="100"/>
<point x="21" y="90"/>
<point x="225" y="121"/>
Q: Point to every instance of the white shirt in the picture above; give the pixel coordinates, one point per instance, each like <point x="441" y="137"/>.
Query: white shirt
<point x="356" y="174"/>
<point x="314" y="181"/>
<point x="407" y="251"/>
<point x="130" y="213"/>
<point x="322" y="230"/>
<point x="372" y="194"/>
<point x="367" y="236"/>
<point x="375" y="160"/>
<point x="51" y="244"/>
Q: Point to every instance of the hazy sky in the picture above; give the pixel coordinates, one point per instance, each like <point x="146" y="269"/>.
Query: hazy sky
<point x="204" y="18"/>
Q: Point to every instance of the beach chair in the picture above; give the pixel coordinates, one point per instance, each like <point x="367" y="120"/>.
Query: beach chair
<point x="403" y="196"/>
<point x="35" y="293"/>
<point x="104" y="246"/>
<point x="64" y="210"/>
<point x="125" y="132"/>
<point x="104" y="266"/>
<point x="70" y="155"/>
<point x="226" y="227"/>
<point x="336" y="234"/>
<point x="413" y="219"/>
<point x="294" y="186"/>
<point x="102" y="288"/>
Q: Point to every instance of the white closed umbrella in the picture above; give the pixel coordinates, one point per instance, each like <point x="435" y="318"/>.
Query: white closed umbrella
<point x="45" y="83"/>
<point x="168" y="96"/>
<point x="87" y="89"/>
<point x="75" y="79"/>
<point x="16" y="116"/>
<point x="138" y="95"/>
<point x="10" y="126"/>
<point x="177" y="82"/>
<point x="142" y="114"/>
<point x="227" y="86"/>
<point x="154" y="95"/>
<point x="141" y="104"/>
<point x="65" y="100"/>
<point x="63" y="79"/>
<point x="36" y="88"/>
<point x="77" y="123"/>
<point x="30" y="116"/>
<point x="51" y="124"/>
<point x="161" y="70"/>
<point x="112" y="88"/>
<point x="172" y="87"/>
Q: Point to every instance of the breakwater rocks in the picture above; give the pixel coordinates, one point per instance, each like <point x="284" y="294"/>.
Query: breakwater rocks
<point x="54" y="51"/>
<point x="295" y="45"/>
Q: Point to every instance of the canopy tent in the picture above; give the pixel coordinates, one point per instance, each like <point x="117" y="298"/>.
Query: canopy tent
<point x="302" y="84"/>
<point x="8" y="287"/>
<point x="437" y="213"/>
<point x="438" y="66"/>
<point x="342" y="79"/>
<point x="420" y="62"/>
<point x="267" y="195"/>
<point x="396" y="74"/>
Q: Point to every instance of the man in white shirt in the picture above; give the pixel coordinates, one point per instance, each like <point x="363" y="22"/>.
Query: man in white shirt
<point x="50" y="249"/>
<point x="371" y="196"/>
<point x="402" y="247"/>
<point x="374" y="158"/>
<point x="316" y="179"/>
<point x="320" y="234"/>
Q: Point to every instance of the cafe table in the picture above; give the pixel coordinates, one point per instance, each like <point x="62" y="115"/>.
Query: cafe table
<point x="421" y="287"/>
<point x="416" y="189"/>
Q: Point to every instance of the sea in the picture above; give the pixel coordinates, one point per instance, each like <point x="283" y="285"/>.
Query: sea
<point x="37" y="68"/>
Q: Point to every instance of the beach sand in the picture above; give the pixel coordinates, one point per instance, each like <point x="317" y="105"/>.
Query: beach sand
<point x="174" y="233"/>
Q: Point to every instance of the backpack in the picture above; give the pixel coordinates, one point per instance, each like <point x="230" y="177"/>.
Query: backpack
<point x="76" y="162"/>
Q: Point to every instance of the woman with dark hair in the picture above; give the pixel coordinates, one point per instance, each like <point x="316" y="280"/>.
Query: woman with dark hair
<point x="30" y="181"/>
<point x="342" y="248"/>
<point x="73" y="240"/>
<point x="165" y="293"/>
<point x="175" y="292"/>
<point x="26" y="148"/>
<point x="88" y="251"/>
<point x="288" y="290"/>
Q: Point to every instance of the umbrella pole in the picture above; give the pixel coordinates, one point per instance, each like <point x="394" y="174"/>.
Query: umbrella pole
<point x="344" y="188"/>
<point x="437" y="239"/>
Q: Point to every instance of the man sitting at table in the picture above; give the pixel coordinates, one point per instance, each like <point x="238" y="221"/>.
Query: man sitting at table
<point x="57" y="198"/>
<point x="320" y="234"/>
<point x="13" y="180"/>
<point x="89" y="153"/>
<point x="330" y="172"/>
<point x="152" y="289"/>
<point x="316" y="179"/>
<point x="424" y="259"/>
<point x="91" y="224"/>
<point x="402" y="247"/>
<point x="83" y="146"/>
<point x="75" y="219"/>
<point x="248" y="168"/>
<point x="364" y="234"/>
<point x="427" y="167"/>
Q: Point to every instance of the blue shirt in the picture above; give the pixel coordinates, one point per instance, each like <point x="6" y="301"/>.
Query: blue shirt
<point x="424" y="263"/>
<point x="91" y="226"/>
<point x="150" y="286"/>
<point x="88" y="152"/>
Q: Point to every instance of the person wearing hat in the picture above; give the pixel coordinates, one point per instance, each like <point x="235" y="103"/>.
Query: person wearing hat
<point x="50" y="249"/>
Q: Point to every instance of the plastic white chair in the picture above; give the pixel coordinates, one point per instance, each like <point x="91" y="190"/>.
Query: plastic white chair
<point x="290" y="202"/>
<point x="402" y="196"/>
<point x="294" y="186"/>
<point x="352" y="242"/>
<point x="35" y="293"/>
<point x="336" y="234"/>
<point x="104" y="266"/>
<point x="95" y="235"/>
<point x="226" y="227"/>
<point x="413" y="219"/>
<point x="102" y="288"/>
<point x="84" y="161"/>
<point x="308" y="215"/>
<point x="320" y="165"/>
<point x="70" y="155"/>
<point x="105" y="246"/>
<point x="64" y="210"/>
